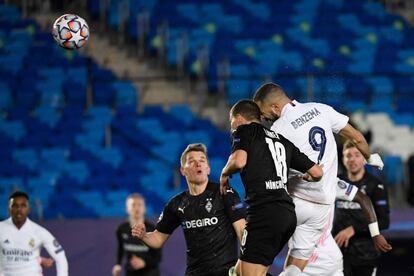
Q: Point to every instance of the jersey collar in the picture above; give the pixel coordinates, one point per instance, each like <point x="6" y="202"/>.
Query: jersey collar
<point x="23" y="226"/>
<point x="288" y="107"/>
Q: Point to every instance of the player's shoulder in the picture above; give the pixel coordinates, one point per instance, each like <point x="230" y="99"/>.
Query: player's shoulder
<point x="178" y="198"/>
<point x="149" y="225"/>
<point x="373" y="180"/>
<point x="247" y="127"/>
<point x="4" y="224"/>
<point x="123" y="225"/>
<point x="37" y="227"/>
<point x="213" y="189"/>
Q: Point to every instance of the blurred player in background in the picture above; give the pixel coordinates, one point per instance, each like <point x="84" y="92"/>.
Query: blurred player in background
<point x="211" y="222"/>
<point x="263" y="158"/>
<point x="350" y="229"/>
<point x="21" y="241"/>
<point x="310" y="127"/>
<point x="141" y="260"/>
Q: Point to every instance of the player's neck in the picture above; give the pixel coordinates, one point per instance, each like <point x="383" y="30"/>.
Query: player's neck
<point x="133" y="221"/>
<point x="19" y="224"/>
<point x="195" y="188"/>
<point x="354" y="177"/>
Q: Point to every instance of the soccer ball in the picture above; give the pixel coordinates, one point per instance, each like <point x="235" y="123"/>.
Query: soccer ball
<point x="70" y="31"/>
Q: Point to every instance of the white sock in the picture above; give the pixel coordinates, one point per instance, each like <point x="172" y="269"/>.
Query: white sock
<point x="291" y="270"/>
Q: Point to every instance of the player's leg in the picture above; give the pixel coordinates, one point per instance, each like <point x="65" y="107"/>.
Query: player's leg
<point x="267" y="231"/>
<point x="326" y="260"/>
<point x="366" y="270"/>
<point x="348" y="268"/>
<point x="312" y="220"/>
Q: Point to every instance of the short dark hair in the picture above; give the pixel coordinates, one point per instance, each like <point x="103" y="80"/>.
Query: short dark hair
<point x="246" y="108"/>
<point x="193" y="147"/>
<point x="263" y="92"/>
<point x="19" y="194"/>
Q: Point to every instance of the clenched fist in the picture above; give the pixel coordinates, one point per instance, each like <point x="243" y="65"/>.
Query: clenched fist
<point x="139" y="231"/>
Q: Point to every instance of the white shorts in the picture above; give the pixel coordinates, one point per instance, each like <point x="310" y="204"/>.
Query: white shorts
<point x="326" y="260"/>
<point x="312" y="219"/>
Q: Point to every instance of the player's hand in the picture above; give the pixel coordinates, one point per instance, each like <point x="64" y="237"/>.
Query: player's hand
<point x="376" y="161"/>
<point x="308" y="177"/>
<point x="138" y="231"/>
<point x="46" y="262"/>
<point x="381" y="244"/>
<point x="343" y="237"/>
<point x="137" y="262"/>
<point x="224" y="184"/>
<point x="116" y="270"/>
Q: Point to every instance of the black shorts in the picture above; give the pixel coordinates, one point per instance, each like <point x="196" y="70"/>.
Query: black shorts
<point x="268" y="229"/>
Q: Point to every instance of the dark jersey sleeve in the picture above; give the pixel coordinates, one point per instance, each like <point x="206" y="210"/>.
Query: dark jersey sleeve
<point x="235" y="209"/>
<point x="120" y="251"/>
<point x="379" y="198"/>
<point x="381" y="205"/>
<point x="153" y="258"/>
<point x="241" y="139"/>
<point x="299" y="160"/>
<point x="168" y="220"/>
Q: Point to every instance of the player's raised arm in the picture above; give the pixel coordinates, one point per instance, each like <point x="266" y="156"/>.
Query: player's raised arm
<point x="358" y="139"/>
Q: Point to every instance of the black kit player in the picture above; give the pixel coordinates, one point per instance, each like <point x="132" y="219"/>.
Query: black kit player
<point x="263" y="158"/>
<point x="211" y="221"/>
<point x="141" y="260"/>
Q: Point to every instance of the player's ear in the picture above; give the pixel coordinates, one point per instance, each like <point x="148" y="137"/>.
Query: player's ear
<point x="182" y="171"/>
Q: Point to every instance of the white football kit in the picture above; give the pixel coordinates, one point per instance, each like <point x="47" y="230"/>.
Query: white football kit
<point x="20" y="249"/>
<point x="327" y="260"/>
<point x="311" y="127"/>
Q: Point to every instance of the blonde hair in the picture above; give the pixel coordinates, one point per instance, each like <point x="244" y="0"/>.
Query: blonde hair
<point x="347" y="145"/>
<point x="135" y="196"/>
<point x="192" y="147"/>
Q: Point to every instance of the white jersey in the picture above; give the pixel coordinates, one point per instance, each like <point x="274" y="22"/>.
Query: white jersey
<point x="310" y="127"/>
<point x="326" y="260"/>
<point x="20" y="249"/>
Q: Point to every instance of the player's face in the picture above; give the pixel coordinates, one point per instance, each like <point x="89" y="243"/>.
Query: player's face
<point x="268" y="111"/>
<point x="19" y="209"/>
<point x="353" y="160"/>
<point x="135" y="208"/>
<point x="234" y="122"/>
<point x="196" y="168"/>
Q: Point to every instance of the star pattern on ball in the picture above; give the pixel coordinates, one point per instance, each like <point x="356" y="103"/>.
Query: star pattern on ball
<point x="63" y="22"/>
<point x="70" y="31"/>
<point x="76" y="37"/>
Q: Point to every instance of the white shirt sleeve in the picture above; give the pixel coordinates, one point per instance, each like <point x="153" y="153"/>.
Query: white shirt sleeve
<point x="56" y="251"/>
<point x="338" y="120"/>
<point x="345" y="191"/>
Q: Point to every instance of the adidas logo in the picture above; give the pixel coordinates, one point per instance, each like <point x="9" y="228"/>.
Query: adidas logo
<point x="6" y="241"/>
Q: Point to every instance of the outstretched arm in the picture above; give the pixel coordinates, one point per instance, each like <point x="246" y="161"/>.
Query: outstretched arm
<point x="153" y="239"/>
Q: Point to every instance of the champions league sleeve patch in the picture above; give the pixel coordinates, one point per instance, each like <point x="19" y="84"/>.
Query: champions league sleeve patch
<point x="349" y="190"/>
<point x="341" y="184"/>
<point x="59" y="248"/>
<point x="56" y="243"/>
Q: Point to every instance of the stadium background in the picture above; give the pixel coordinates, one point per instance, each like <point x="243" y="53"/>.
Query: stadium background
<point x="80" y="130"/>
